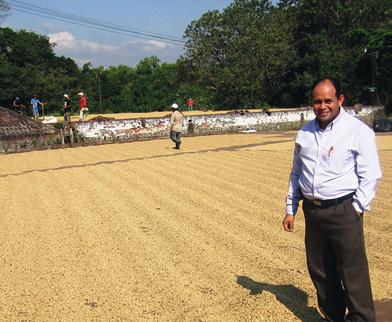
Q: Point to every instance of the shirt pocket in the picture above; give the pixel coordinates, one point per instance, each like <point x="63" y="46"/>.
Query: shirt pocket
<point x="339" y="159"/>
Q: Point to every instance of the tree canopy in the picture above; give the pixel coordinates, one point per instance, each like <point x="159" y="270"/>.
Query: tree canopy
<point x="251" y="54"/>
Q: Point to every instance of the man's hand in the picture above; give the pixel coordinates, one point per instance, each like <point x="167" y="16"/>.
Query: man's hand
<point x="288" y="223"/>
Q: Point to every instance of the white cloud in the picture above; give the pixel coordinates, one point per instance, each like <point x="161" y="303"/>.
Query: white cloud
<point x="64" y="40"/>
<point x="81" y="61"/>
<point x="128" y="52"/>
<point x="157" y="44"/>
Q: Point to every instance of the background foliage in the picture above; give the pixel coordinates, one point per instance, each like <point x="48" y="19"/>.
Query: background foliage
<point x="251" y="54"/>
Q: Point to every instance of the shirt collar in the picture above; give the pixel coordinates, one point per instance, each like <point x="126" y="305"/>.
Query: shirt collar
<point x="334" y="123"/>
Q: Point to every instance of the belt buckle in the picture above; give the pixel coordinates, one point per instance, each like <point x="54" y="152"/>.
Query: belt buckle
<point x="318" y="203"/>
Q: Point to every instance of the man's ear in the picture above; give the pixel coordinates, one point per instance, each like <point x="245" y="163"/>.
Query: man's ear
<point x="341" y="99"/>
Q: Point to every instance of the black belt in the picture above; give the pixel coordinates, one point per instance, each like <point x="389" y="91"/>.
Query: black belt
<point x="329" y="202"/>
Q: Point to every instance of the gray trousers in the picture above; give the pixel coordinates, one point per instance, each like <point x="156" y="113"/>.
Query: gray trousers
<point x="176" y="138"/>
<point x="67" y="116"/>
<point x="337" y="262"/>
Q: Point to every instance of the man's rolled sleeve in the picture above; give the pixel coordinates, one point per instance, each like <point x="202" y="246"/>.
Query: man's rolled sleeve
<point x="368" y="171"/>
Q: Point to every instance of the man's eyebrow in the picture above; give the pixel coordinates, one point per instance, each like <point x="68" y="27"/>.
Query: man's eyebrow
<point x="322" y="100"/>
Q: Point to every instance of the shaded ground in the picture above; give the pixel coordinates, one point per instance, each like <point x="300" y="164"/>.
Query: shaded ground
<point x="141" y="232"/>
<point x="383" y="310"/>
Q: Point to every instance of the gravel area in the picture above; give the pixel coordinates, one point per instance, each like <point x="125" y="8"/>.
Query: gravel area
<point x="141" y="232"/>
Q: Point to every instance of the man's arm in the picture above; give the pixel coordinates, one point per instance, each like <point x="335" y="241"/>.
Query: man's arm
<point x="367" y="169"/>
<point x="172" y="121"/>
<point x="293" y="195"/>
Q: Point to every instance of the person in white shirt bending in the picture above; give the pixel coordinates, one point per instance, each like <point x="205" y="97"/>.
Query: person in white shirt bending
<point x="335" y="172"/>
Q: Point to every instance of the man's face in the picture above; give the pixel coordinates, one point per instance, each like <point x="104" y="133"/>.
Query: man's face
<point x="325" y="104"/>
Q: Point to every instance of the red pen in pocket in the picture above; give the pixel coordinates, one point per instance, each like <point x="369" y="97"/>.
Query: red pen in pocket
<point x="330" y="151"/>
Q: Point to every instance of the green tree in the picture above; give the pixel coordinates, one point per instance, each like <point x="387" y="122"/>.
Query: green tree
<point x="330" y="38"/>
<point x="154" y="85"/>
<point x="29" y="66"/>
<point x="241" y="54"/>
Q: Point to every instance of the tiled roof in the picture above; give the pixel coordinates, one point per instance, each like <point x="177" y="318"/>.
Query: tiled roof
<point x="14" y="124"/>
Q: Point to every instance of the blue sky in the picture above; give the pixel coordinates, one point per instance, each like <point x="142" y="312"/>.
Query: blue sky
<point x="83" y="44"/>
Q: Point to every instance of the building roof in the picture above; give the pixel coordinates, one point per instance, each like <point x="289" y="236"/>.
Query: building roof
<point x="13" y="124"/>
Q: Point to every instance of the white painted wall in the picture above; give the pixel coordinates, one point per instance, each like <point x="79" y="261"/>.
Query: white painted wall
<point x="130" y="129"/>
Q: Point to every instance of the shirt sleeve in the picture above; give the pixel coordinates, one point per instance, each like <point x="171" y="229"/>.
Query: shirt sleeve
<point x="171" y="121"/>
<point x="367" y="169"/>
<point x="294" y="195"/>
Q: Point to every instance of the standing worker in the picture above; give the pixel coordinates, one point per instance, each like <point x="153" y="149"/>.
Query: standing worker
<point x="34" y="105"/>
<point x="82" y="106"/>
<point x="190" y="102"/>
<point x="335" y="171"/>
<point x="67" y="109"/>
<point x="176" y="121"/>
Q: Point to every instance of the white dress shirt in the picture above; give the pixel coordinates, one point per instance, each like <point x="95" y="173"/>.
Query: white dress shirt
<point x="334" y="162"/>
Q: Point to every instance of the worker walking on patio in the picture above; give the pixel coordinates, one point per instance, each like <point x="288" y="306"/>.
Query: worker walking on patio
<point x="176" y="122"/>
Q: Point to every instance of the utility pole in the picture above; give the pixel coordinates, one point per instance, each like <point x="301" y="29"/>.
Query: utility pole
<point x="373" y="88"/>
<point x="100" y="92"/>
<point x="374" y="99"/>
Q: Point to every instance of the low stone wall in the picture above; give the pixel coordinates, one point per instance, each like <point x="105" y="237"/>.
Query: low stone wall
<point x="18" y="133"/>
<point x="21" y="143"/>
<point x="145" y="128"/>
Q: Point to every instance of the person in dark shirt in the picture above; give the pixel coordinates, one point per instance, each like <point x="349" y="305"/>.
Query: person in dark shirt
<point x="18" y="106"/>
<point x="67" y="109"/>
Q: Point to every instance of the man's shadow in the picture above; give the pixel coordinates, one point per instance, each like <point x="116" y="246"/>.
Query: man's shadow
<point x="290" y="296"/>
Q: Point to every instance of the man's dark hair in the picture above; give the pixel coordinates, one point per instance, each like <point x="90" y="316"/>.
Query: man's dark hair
<point x="334" y="82"/>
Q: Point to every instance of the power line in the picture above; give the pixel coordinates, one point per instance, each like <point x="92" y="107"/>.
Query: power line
<point x="85" y="25"/>
<point x="134" y="29"/>
<point x="94" y="22"/>
<point x="91" y="23"/>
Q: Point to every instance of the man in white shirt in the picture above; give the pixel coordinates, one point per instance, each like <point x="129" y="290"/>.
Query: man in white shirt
<point x="335" y="171"/>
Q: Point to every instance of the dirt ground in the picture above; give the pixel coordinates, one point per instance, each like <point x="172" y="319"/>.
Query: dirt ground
<point x="141" y="232"/>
